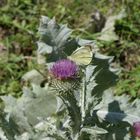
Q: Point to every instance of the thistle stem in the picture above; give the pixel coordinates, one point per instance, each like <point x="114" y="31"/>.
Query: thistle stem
<point x="74" y="112"/>
<point x="83" y="99"/>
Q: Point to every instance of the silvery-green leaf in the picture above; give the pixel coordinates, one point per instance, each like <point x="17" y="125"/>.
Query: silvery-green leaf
<point x="90" y="85"/>
<point x="33" y="76"/>
<point x="99" y="57"/>
<point x="43" y="48"/>
<point x="10" y="107"/>
<point x="41" y="107"/>
<point x="41" y="59"/>
<point x="118" y="108"/>
<point x="9" y="101"/>
<point x="116" y="117"/>
<point x="53" y="35"/>
<point x="29" y="107"/>
<point x="60" y="105"/>
<point x="94" y="130"/>
<point x="92" y="43"/>
<point x="89" y="72"/>
<point x="118" y="133"/>
<point x="42" y="104"/>
<point x="16" y="112"/>
<point x="108" y="32"/>
<point x="103" y="76"/>
<point x="46" y="125"/>
<point x="48" y="138"/>
<point x="99" y="77"/>
<point x="49" y="128"/>
<point x="8" y="126"/>
<point x="2" y="135"/>
<point x="24" y="136"/>
<point x="35" y="136"/>
<point x="83" y="42"/>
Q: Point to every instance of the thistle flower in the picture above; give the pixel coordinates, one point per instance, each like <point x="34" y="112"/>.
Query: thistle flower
<point x="64" y="75"/>
<point x="136" y="126"/>
<point x="64" y="69"/>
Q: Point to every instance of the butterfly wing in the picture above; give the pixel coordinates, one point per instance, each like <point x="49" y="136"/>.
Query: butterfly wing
<point x="82" y="55"/>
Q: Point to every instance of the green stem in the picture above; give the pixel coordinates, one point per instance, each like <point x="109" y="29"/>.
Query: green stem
<point x="83" y="94"/>
<point x="74" y="112"/>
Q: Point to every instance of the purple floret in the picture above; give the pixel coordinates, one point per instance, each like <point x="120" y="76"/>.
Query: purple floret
<point x="136" y="127"/>
<point x="64" y="69"/>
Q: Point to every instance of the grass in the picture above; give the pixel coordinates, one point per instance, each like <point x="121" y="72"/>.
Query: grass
<point x="19" y="22"/>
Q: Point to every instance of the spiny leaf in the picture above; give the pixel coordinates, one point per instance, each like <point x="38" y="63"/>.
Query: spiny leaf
<point x="2" y="135"/>
<point x="49" y="128"/>
<point x="53" y="37"/>
<point x="118" y="132"/>
<point x="118" y="108"/>
<point x="30" y="106"/>
<point x="8" y="127"/>
<point x="99" y="77"/>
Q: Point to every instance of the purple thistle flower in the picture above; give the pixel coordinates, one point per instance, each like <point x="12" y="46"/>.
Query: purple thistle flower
<point x="64" y="69"/>
<point x="136" y="126"/>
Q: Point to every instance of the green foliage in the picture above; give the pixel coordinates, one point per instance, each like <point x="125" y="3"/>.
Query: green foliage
<point x="88" y="112"/>
<point x="19" y="22"/>
<point x="131" y="85"/>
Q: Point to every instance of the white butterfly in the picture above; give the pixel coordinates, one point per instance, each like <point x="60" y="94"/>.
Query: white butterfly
<point x="82" y="55"/>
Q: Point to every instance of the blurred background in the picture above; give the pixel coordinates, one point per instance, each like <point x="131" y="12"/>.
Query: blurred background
<point x="113" y="24"/>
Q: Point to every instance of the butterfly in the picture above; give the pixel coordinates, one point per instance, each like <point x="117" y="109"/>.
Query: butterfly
<point x="82" y="55"/>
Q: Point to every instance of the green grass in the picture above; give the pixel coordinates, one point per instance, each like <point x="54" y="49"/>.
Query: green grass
<point x="131" y="84"/>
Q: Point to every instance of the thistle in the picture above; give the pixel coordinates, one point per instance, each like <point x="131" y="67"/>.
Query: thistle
<point x="136" y="127"/>
<point x="65" y="80"/>
<point x="64" y="76"/>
